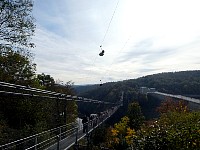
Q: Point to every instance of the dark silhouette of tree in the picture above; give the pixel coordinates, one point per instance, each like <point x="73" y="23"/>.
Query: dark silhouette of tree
<point x="135" y="116"/>
<point x="16" y="23"/>
<point x="16" y="67"/>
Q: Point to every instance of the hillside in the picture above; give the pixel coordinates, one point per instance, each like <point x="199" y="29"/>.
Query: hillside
<point x="183" y="82"/>
<point x="84" y="88"/>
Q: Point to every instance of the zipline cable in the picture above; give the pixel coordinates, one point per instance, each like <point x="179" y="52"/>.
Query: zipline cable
<point x="107" y="71"/>
<point x="110" y="23"/>
<point x="104" y="37"/>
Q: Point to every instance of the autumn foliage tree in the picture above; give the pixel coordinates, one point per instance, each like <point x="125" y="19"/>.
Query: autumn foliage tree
<point x="177" y="128"/>
<point x="170" y="105"/>
<point x="121" y="135"/>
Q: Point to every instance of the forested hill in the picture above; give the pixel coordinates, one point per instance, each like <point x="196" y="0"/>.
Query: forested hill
<point x="84" y="88"/>
<point x="184" y="82"/>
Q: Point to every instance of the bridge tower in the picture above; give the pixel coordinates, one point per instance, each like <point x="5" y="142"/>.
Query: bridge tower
<point x="122" y="99"/>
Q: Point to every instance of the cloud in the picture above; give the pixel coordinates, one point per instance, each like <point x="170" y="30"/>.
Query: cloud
<point x="161" y="37"/>
<point x="144" y="52"/>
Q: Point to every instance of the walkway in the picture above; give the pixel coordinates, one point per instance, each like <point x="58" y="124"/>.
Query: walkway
<point x="60" y="138"/>
<point x="194" y="100"/>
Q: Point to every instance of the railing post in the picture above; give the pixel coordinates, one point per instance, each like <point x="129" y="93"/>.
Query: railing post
<point x="36" y="140"/>
<point x="76" y="136"/>
<point x="60" y="131"/>
<point x="58" y="142"/>
<point x="88" y="123"/>
<point x="76" y="142"/>
<point x="87" y="134"/>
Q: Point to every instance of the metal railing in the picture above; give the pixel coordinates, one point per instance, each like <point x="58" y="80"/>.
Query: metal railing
<point x="20" y="90"/>
<point x="39" y="140"/>
<point x="53" y="138"/>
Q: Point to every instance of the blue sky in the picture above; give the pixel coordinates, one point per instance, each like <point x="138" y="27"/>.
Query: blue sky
<point x="144" y="37"/>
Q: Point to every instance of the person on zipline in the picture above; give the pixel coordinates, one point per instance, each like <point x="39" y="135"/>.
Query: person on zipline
<point x="102" y="51"/>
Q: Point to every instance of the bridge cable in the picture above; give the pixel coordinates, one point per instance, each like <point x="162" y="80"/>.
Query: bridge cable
<point x="109" y="70"/>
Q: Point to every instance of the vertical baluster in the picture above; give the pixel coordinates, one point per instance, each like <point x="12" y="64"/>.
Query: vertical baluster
<point x="58" y="142"/>
<point x="76" y="136"/>
<point x="36" y="140"/>
<point x="60" y="132"/>
<point x="76" y="140"/>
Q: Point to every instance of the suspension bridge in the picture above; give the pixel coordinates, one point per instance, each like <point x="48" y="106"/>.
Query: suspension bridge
<point x="68" y="135"/>
<point x="59" y="138"/>
<point x="189" y="99"/>
<point x="146" y="91"/>
<point x="62" y="137"/>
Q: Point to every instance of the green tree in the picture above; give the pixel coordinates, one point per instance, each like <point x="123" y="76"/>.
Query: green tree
<point x="46" y="80"/>
<point x="16" y="29"/>
<point x="135" y="116"/>
<point x="16" y="67"/>
<point x="16" y="23"/>
<point x="68" y="108"/>
<point x="64" y="111"/>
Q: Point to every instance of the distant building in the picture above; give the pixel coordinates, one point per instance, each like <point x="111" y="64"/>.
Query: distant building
<point x="144" y="90"/>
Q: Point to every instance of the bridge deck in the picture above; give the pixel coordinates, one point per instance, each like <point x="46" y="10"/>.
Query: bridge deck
<point x="69" y="141"/>
<point x="61" y="138"/>
<point x="194" y="100"/>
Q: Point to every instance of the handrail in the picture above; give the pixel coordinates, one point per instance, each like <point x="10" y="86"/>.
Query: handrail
<point x="36" y="135"/>
<point x="55" y="95"/>
<point x="52" y="95"/>
<point x="69" y="133"/>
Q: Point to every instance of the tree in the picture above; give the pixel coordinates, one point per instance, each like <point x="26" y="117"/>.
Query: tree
<point x="46" y="80"/>
<point x="67" y="108"/>
<point x="135" y="115"/>
<point x="16" y="67"/>
<point x="64" y="111"/>
<point x="16" y="23"/>
<point x="121" y="136"/>
<point x="176" y="128"/>
<point x="16" y="28"/>
<point x="170" y="105"/>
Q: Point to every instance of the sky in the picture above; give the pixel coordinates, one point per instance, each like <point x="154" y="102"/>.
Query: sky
<point x="140" y="37"/>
